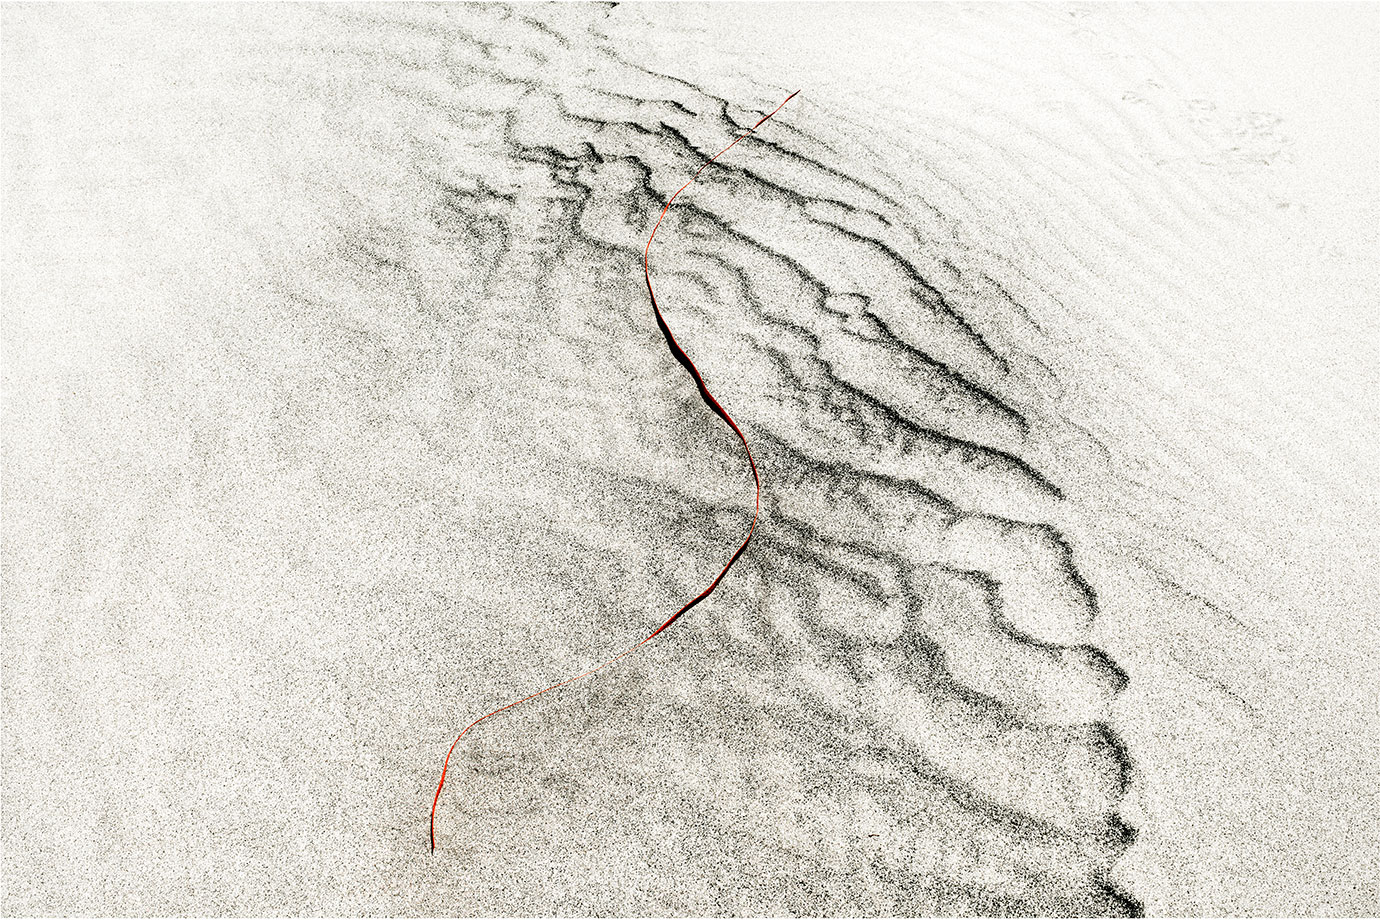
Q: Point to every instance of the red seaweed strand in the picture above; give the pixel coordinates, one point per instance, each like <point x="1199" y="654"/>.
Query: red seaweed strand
<point x="713" y="404"/>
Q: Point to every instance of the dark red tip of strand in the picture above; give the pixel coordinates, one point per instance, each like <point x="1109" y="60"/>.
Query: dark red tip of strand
<point x="713" y="404"/>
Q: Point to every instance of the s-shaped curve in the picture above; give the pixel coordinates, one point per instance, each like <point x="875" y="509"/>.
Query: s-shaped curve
<point x="713" y="404"/>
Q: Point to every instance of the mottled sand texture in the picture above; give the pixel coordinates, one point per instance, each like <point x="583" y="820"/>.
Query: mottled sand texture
<point x="335" y="416"/>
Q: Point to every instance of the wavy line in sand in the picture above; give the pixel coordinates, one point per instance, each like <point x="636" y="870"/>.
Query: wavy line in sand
<point x="713" y="404"/>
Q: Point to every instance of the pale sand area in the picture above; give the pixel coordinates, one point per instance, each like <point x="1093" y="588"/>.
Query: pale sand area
<point x="334" y="416"/>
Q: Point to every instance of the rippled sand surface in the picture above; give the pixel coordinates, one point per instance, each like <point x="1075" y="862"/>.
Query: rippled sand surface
<point x="335" y="416"/>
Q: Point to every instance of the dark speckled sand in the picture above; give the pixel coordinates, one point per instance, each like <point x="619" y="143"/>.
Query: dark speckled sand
<point x="335" y="416"/>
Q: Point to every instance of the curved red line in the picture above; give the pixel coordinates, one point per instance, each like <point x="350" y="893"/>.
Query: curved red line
<point x="713" y="404"/>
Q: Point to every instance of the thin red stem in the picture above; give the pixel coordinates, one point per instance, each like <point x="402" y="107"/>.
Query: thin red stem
<point x="713" y="404"/>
